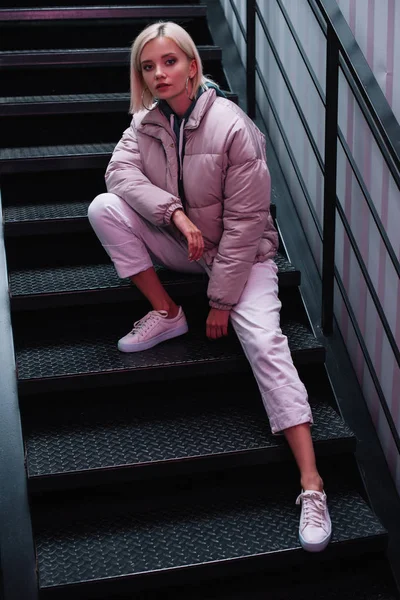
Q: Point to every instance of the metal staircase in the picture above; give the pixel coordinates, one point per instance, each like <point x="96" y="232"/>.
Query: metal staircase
<point x="152" y="475"/>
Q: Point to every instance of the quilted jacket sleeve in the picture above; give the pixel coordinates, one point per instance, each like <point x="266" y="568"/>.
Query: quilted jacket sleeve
<point x="125" y="178"/>
<point x="245" y="214"/>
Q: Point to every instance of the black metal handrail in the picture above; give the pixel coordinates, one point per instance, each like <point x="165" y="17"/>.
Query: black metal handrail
<point x="290" y="90"/>
<point x="290" y="152"/>
<point x="301" y="51"/>
<point x="249" y="36"/>
<point x="368" y="361"/>
<point x="376" y="109"/>
<point x="383" y="126"/>
<point x="330" y="180"/>
<point x="344" y="53"/>
<point x="332" y="133"/>
<point x="17" y="555"/>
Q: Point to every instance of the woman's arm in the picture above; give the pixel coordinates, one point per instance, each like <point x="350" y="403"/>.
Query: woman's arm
<point x="125" y="178"/>
<point x="246" y="208"/>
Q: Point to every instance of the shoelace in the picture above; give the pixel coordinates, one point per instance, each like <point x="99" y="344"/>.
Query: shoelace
<point x="313" y="508"/>
<point x="147" y="321"/>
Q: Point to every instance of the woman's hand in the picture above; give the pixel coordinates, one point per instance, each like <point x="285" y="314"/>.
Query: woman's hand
<point x="217" y="323"/>
<point x="191" y="232"/>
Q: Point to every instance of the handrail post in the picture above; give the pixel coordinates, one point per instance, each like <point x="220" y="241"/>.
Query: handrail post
<point x="251" y="57"/>
<point x="331" y="136"/>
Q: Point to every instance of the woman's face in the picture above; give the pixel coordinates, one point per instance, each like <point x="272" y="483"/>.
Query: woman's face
<point x="165" y="69"/>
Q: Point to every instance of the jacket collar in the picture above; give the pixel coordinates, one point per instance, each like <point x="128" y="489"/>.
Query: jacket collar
<point x="156" y="117"/>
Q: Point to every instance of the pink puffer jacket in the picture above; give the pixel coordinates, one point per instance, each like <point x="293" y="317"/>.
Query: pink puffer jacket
<point x="225" y="179"/>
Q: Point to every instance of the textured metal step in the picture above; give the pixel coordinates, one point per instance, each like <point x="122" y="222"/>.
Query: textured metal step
<point x="103" y="442"/>
<point x="49" y="158"/>
<point x="92" y="547"/>
<point x="67" y="103"/>
<point x="70" y="103"/>
<point x="92" y="284"/>
<point x="51" y="218"/>
<point x="369" y="578"/>
<point x="99" y="57"/>
<point x="79" y="13"/>
<point x="45" y="218"/>
<point x="77" y="3"/>
<point x="72" y="354"/>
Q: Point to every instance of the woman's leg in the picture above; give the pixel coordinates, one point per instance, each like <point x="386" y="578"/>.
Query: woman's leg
<point x="256" y="322"/>
<point x="151" y="287"/>
<point x="133" y="244"/>
<point x="300" y="442"/>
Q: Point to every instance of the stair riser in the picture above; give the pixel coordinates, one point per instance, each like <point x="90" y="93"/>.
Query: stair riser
<point x="52" y="130"/>
<point x="81" y="79"/>
<point x="98" y="34"/>
<point x="41" y="164"/>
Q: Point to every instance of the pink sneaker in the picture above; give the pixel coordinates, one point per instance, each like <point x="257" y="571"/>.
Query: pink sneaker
<point x="315" y="523"/>
<point x="152" y="329"/>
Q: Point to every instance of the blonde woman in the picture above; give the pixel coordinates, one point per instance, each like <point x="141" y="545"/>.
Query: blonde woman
<point x="188" y="187"/>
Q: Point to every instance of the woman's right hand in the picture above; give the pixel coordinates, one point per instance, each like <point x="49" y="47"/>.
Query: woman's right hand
<point x="191" y="232"/>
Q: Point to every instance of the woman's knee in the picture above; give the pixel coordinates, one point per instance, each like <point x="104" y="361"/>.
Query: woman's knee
<point x="101" y="207"/>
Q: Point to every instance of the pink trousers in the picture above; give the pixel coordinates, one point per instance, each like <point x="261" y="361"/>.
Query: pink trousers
<point x="133" y="244"/>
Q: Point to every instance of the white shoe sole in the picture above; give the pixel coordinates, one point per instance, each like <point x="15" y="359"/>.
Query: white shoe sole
<point x="318" y="547"/>
<point x="162" y="337"/>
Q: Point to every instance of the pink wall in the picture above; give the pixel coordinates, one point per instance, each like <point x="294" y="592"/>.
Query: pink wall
<point x="374" y="23"/>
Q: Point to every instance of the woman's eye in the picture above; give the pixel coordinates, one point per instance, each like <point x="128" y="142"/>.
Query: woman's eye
<point x="147" y="67"/>
<point x="171" y="61"/>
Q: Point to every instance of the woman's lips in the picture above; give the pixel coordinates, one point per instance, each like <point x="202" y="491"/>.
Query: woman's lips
<point x="162" y="86"/>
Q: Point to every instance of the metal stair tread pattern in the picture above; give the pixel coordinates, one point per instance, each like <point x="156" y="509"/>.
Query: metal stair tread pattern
<point x="361" y="581"/>
<point x="40" y="212"/>
<point x="63" y="98"/>
<point x="91" y="349"/>
<point x="45" y="211"/>
<point x="57" y="280"/>
<point x="121" y="540"/>
<point x="84" y="56"/>
<point x="107" y="435"/>
<point x="65" y="151"/>
<point x="53" y="14"/>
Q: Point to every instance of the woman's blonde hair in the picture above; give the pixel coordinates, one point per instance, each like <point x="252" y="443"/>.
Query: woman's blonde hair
<point x="140" y="95"/>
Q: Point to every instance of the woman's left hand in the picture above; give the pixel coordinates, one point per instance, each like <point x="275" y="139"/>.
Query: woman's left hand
<point x="217" y="323"/>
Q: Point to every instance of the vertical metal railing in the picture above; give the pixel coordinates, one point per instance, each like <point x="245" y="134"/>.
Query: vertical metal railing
<point x="331" y="139"/>
<point x="330" y="162"/>
<point x="251" y="57"/>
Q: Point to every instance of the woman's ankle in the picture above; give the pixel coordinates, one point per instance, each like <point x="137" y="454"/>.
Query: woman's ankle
<point x="173" y="311"/>
<point x="312" y="481"/>
<point x="170" y="307"/>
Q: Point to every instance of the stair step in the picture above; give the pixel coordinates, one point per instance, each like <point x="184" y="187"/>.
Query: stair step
<point x="52" y="217"/>
<point x="76" y="3"/>
<point x="99" y="57"/>
<point x="366" y="579"/>
<point x="66" y="27"/>
<point x="50" y="158"/>
<point x="104" y="541"/>
<point x="63" y="104"/>
<point x="83" y="352"/>
<point x="83" y="71"/>
<point x="96" y="283"/>
<point x="70" y="103"/>
<point x="78" y="13"/>
<point x="81" y="443"/>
